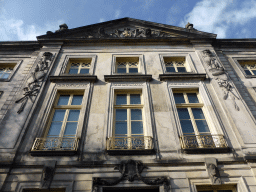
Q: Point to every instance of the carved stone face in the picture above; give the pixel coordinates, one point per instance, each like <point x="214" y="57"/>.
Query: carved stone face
<point x="212" y="169"/>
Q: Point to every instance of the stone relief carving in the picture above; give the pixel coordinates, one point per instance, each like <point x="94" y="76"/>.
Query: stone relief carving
<point x="131" y="170"/>
<point x="47" y="174"/>
<point x="221" y="75"/>
<point x="34" y="81"/>
<point x="213" y="172"/>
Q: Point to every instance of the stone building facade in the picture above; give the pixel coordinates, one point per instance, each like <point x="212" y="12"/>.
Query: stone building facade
<point x="128" y="105"/>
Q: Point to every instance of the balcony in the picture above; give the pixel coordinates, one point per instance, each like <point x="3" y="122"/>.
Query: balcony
<point x="204" y="144"/>
<point x="55" y="146"/>
<point x="130" y="145"/>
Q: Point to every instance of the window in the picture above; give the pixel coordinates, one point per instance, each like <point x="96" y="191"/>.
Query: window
<point x="79" y="66"/>
<point x="249" y="67"/>
<point x="127" y="65"/>
<point x="6" y="70"/>
<point x="175" y="64"/>
<point x="63" y="122"/>
<point x="195" y="129"/>
<point x="219" y="188"/>
<point x="128" y="122"/>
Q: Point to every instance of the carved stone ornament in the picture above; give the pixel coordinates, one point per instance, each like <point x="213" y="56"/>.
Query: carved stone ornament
<point x="213" y="172"/>
<point x="47" y="174"/>
<point x="221" y="75"/>
<point x="34" y="81"/>
<point x="131" y="170"/>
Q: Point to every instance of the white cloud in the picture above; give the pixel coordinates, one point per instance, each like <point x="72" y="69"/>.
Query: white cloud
<point x="117" y="14"/>
<point x="17" y="30"/>
<point x="217" y="16"/>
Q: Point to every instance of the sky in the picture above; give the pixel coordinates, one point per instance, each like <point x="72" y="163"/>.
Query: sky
<point x="23" y="20"/>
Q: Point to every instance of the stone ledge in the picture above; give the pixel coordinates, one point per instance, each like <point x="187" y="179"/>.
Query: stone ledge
<point x="131" y="152"/>
<point x="182" y="76"/>
<point x="206" y="150"/>
<point x="127" y="77"/>
<point x="64" y="78"/>
<point x="53" y="153"/>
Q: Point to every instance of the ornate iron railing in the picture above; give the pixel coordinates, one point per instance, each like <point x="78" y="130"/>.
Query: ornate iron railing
<point x="55" y="144"/>
<point x="203" y="141"/>
<point x="129" y="143"/>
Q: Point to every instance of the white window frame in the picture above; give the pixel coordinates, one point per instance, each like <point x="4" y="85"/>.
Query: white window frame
<point x="141" y="65"/>
<point x="66" y="64"/>
<point x="14" y="64"/>
<point x="189" y="64"/>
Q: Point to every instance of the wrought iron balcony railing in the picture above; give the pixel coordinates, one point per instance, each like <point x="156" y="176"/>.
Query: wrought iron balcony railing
<point x="55" y="144"/>
<point x="203" y="141"/>
<point x="129" y="143"/>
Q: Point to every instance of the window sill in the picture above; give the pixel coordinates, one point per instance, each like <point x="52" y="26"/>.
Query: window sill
<point x="131" y="152"/>
<point x="4" y="80"/>
<point x="250" y="76"/>
<point x="182" y="76"/>
<point x="67" y="77"/>
<point x="127" y="77"/>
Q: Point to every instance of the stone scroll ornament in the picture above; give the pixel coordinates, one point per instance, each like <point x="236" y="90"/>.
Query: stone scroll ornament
<point x="221" y="76"/>
<point x="131" y="170"/>
<point x="34" y="81"/>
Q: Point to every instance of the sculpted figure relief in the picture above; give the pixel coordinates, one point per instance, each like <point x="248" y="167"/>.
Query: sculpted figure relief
<point x="34" y="81"/>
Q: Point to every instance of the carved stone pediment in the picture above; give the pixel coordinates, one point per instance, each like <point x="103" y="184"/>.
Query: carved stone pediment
<point x="124" y="29"/>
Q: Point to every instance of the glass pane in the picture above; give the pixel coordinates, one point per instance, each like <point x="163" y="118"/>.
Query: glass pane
<point x="63" y="100"/>
<point x="181" y="69"/>
<point x="121" y="128"/>
<point x="73" y="115"/>
<point x="202" y="126"/>
<point x="136" y="114"/>
<point x="73" y="71"/>
<point x="186" y="126"/>
<point x="55" y="129"/>
<point x="135" y="99"/>
<point x="84" y="71"/>
<point x="121" y="70"/>
<point x="170" y="69"/>
<point x="121" y="99"/>
<point x="70" y="128"/>
<point x="198" y="113"/>
<point x="133" y="70"/>
<point x="179" y="98"/>
<point x="121" y="114"/>
<point x="59" y="115"/>
<point x="192" y="97"/>
<point x="137" y="127"/>
<point x="247" y="72"/>
<point x="183" y="113"/>
<point x="6" y="75"/>
<point x="254" y="72"/>
<point x="77" y="100"/>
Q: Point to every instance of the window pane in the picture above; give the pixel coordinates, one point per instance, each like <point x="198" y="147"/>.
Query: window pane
<point x="135" y="99"/>
<point x="6" y="75"/>
<point x="170" y="69"/>
<point x="84" y="71"/>
<point x="121" y="128"/>
<point x="63" y="100"/>
<point x="77" y="100"/>
<point x="181" y="69"/>
<point x="192" y="97"/>
<point x="133" y="70"/>
<point x="247" y="72"/>
<point x="202" y="126"/>
<point x="73" y="115"/>
<point x="73" y="71"/>
<point x="198" y="113"/>
<point x="183" y="113"/>
<point x="59" y="115"/>
<point x="136" y="114"/>
<point x="254" y="72"/>
<point x="121" y="70"/>
<point x="137" y="127"/>
<point x="121" y="114"/>
<point x="70" y="128"/>
<point x="55" y="129"/>
<point x="179" y="98"/>
<point x="121" y="99"/>
<point x="186" y="126"/>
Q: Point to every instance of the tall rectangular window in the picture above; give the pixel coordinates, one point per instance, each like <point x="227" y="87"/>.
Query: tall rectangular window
<point x="6" y="70"/>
